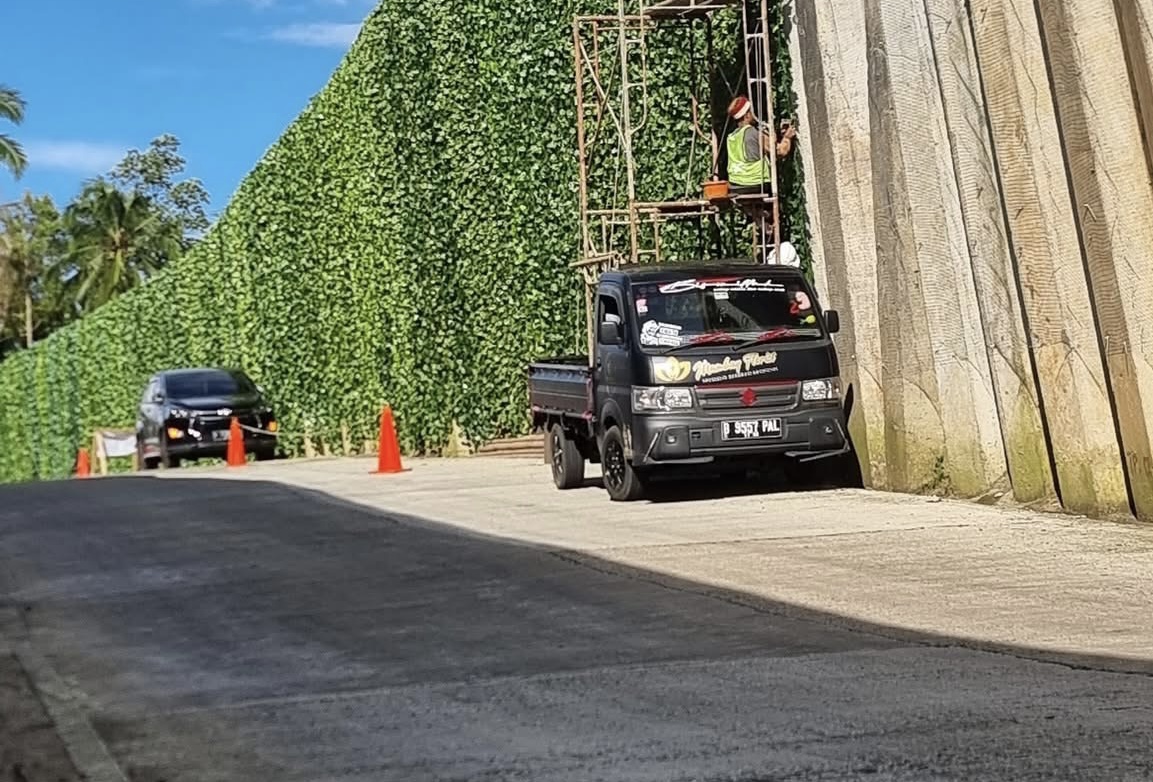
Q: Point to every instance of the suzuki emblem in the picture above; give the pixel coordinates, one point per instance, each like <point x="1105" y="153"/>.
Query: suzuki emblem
<point x="748" y="397"/>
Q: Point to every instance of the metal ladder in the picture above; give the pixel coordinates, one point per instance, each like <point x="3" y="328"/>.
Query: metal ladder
<point x="759" y="82"/>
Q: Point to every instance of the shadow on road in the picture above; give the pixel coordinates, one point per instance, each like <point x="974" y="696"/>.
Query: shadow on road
<point x="699" y="484"/>
<point x="248" y="630"/>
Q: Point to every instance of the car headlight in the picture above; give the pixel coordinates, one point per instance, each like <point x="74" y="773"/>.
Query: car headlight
<point x="825" y="390"/>
<point x="660" y="398"/>
<point x="177" y="412"/>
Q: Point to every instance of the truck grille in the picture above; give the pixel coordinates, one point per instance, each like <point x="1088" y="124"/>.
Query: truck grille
<point x="763" y="396"/>
<point x="212" y="423"/>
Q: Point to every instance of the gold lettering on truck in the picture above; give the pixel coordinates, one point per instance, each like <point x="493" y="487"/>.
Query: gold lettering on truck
<point x="732" y="365"/>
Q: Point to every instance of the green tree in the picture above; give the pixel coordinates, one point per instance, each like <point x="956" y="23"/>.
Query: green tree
<point x="31" y="297"/>
<point x="12" y="155"/>
<point x="153" y="173"/>
<point x="118" y="239"/>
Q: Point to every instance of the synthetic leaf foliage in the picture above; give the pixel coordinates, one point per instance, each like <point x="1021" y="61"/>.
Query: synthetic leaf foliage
<point x="406" y="241"/>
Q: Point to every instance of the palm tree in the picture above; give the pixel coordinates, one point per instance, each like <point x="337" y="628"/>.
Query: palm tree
<point x="12" y="155"/>
<point x="119" y="239"/>
<point x="29" y="240"/>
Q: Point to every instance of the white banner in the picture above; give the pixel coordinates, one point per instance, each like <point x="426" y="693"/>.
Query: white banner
<point x="118" y="443"/>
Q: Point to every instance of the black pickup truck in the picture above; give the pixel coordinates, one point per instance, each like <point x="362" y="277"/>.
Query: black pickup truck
<point x="725" y="365"/>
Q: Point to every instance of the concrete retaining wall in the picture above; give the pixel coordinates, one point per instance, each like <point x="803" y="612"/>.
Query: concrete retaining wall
<point x="978" y="176"/>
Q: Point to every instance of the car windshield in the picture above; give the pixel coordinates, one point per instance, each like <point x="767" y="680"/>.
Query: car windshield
<point x="742" y="309"/>
<point x="214" y="383"/>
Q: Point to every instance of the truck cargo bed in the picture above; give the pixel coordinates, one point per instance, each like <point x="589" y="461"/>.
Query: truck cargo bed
<point x="560" y="386"/>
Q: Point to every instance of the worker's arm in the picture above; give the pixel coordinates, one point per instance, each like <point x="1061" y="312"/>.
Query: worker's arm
<point x="785" y="145"/>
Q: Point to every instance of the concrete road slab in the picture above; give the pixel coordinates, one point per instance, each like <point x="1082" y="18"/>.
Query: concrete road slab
<point x="996" y="577"/>
<point x="312" y="622"/>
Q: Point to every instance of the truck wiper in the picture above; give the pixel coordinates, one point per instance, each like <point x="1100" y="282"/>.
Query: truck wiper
<point x="711" y="338"/>
<point x="768" y="336"/>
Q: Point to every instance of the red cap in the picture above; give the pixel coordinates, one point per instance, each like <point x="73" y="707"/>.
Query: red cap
<point x="740" y="107"/>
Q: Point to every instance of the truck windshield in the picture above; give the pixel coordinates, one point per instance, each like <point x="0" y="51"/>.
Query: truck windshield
<point x="740" y="311"/>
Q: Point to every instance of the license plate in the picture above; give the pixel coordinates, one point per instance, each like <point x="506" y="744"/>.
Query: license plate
<point x="751" y="430"/>
<point x="221" y="434"/>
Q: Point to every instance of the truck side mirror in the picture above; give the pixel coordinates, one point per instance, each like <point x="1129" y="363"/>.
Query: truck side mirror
<point x="832" y="321"/>
<point x="610" y="333"/>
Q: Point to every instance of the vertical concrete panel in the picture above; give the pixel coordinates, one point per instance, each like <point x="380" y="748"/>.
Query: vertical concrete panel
<point x="949" y="435"/>
<point x="1135" y="18"/>
<point x="994" y="283"/>
<point x="804" y="146"/>
<point x="1043" y="233"/>
<point x="914" y="428"/>
<point x="1115" y="207"/>
<point x="832" y="63"/>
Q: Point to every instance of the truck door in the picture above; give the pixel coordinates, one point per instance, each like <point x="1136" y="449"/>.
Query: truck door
<point x="612" y="376"/>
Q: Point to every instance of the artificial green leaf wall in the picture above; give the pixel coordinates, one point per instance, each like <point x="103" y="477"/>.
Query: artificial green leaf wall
<point x="406" y="241"/>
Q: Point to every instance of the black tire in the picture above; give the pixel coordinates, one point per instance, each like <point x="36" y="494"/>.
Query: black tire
<point x="568" y="466"/>
<point x="833" y="472"/>
<point x="146" y="463"/>
<point x="168" y="461"/>
<point x="621" y="479"/>
<point x="843" y="472"/>
<point x="266" y="454"/>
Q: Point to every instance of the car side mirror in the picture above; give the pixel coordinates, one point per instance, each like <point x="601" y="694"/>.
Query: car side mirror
<point x="610" y="333"/>
<point x="832" y="321"/>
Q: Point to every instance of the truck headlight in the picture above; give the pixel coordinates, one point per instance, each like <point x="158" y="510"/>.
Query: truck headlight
<point x="825" y="390"/>
<point x="660" y="398"/>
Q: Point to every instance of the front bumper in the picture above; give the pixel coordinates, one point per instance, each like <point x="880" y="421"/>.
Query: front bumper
<point x="190" y="447"/>
<point x="694" y="437"/>
<point x="201" y="432"/>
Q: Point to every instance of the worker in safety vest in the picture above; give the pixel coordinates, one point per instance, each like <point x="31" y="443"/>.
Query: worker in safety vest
<point x="749" y="167"/>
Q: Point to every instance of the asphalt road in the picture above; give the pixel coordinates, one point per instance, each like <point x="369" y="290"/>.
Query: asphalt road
<point x="209" y="629"/>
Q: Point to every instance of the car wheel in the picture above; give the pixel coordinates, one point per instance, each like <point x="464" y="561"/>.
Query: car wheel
<point x="168" y="461"/>
<point x="568" y="466"/>
<point x="621" y="479"/>
<point x="833" y="472"/>
<point x="266" y="454"/>
<point x="145" y="462"/>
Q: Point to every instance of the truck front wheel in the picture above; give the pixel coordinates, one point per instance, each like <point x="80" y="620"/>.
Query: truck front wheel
<point x="568" y="466"/>
<point x="621" y="479"/>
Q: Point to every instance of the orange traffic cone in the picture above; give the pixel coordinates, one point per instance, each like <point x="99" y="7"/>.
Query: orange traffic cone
<point x="388" y="458"/>
<point x="236" y="445"/>
<point x="83" y="468"/>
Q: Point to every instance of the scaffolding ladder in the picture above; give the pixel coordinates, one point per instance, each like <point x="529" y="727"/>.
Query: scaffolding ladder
<point x="610" y="53"/>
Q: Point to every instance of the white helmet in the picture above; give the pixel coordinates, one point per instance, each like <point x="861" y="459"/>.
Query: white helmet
<point x="789" y="255"/>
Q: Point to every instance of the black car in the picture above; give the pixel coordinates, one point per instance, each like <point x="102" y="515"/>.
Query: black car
<point x="187" y="413"/>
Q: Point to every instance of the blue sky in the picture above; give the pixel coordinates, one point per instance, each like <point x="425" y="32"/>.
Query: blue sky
<point x="103" y="76"/>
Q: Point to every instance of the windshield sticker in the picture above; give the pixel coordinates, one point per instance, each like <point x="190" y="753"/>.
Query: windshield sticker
<point x="720" y="295"/>
<point x="726" y="284"/>
<point x="802" y="307"/>
<point x="675" y="370"/>
<point x="642" y="306"/>
<point x="654" y="332"/>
